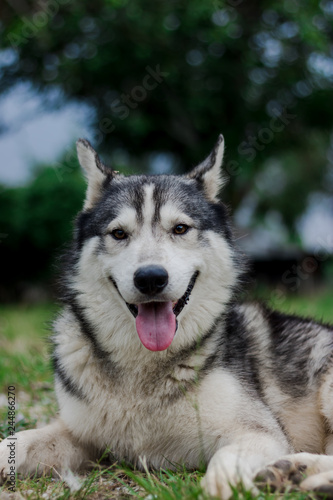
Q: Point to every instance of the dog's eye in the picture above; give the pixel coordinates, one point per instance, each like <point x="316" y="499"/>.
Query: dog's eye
<point x="119" y="234"/>
<point x="180" y="229"/>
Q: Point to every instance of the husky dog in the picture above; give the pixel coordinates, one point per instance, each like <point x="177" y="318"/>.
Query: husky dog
<point x="155" y="360"/>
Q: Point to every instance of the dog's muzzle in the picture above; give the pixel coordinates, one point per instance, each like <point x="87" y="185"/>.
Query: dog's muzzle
<point x="156" y="321"/>
<point x="178" y="306"/>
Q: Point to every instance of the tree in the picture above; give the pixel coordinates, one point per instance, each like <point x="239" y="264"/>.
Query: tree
<point x="170" y="76"/>
<point x="36" y="223"/>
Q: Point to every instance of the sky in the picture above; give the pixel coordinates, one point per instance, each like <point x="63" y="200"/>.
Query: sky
<point x="32" y="135"/>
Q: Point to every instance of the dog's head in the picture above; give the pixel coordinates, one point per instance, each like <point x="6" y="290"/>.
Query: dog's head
<point x="161" y="244"/>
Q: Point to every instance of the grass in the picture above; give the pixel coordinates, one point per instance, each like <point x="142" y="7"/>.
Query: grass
<point x="24" y="364"/>
<point x="316" y="305"/>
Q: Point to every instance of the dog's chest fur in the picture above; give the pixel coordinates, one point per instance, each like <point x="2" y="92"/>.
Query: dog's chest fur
<point x="136" y="409"/>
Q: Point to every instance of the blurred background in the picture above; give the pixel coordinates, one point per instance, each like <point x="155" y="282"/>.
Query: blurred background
<point x="151" y="84"/>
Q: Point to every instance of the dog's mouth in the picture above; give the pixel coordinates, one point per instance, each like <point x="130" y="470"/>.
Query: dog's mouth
<point x="177" y="306"/>
<point x="156" y="322"/>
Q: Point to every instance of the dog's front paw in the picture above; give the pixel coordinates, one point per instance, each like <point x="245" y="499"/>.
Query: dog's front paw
<point x="4" y="466"/>
<point x="303" y="471"/>
<point x="226" y="471"/>
<point x="281" y="475"/>
<point x="8" y="458"/>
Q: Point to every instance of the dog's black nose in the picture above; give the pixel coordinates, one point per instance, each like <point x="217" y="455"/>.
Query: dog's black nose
<point x="151" y="279"/>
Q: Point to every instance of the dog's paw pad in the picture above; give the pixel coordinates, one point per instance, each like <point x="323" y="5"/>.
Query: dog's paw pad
<point x="270" y="478"/>
<point x="280" y="476"/>
<point x="285" y="466"/>
<point x="296" y="477"/>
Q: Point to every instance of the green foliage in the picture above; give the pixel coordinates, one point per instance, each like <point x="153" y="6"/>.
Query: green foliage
<point x="230" y="66"/>
<point x="36" y="221"/>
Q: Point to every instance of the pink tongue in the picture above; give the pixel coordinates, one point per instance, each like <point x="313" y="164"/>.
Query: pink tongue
<point x="156" y="325"/>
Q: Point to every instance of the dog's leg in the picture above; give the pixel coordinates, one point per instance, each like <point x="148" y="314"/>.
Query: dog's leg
<point x="309" y="471"/>
<point x="321" y="476"/>
<point x="51" y="449"/>
<point x="238" y="463"/>
<point x="326" y="403"/>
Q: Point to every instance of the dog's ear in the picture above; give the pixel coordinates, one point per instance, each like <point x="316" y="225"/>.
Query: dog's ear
<point x="208" y="173"/>
<point x="95" y="171"/>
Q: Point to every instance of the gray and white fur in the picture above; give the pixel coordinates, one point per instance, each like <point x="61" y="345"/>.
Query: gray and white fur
<point x="154" y="358"/>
